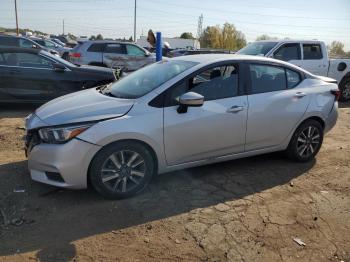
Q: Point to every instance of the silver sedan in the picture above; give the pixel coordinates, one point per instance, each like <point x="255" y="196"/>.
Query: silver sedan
<point x="175" y="114"/>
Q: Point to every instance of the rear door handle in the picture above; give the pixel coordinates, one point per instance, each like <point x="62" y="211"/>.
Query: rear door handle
<point x="235" y="109"/>
<point x="299" y="94"/>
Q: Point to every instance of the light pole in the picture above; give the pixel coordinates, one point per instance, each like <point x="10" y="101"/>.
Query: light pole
<point x="135" y="23"/>
<point x="17" y="29"/>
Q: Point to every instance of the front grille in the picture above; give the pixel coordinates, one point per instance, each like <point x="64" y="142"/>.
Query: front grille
<point x="32" y="139"/>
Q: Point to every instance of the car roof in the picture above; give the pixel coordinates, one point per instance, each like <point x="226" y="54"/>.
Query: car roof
<point x="289" y="41"/>
<point x="205" y="59"/>
<point x="20" y="50"/>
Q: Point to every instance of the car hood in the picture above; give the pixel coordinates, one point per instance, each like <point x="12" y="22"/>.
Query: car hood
<point x="94" y="69"/>
<point x="83" y="106"/>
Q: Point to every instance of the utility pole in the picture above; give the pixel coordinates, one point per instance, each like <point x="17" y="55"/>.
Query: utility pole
<point x="63" y="26"/>
<point x="17" y="29"/>
<point x="135" y="23"/>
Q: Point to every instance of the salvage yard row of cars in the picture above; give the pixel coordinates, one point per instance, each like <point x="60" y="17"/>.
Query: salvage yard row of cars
<point x="161" y="118"/>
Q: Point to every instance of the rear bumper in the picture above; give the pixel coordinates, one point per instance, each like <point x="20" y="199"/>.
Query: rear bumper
<point x="331" y="120"/>
<point x="68" y="161"/>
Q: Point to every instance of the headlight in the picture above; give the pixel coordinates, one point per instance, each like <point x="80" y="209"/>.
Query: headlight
<point x="59" y="135"/>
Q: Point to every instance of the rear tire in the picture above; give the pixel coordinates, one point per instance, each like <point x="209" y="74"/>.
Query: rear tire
<point x="306" y="141"/>
<point x="121" y="170"/>
<point x="344" y="88"/>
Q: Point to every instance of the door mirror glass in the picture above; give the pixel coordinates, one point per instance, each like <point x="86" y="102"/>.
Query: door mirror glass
<point x="190" y="99"/>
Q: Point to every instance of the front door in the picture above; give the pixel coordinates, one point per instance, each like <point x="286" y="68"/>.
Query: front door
<point x="276" y="104"/>
<point x="215" y="129"/>
<point x="32" y="77"/>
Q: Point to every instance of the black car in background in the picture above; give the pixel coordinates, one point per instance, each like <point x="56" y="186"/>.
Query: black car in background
<point x="20" y="41"/>
<point x="36" y="76"/>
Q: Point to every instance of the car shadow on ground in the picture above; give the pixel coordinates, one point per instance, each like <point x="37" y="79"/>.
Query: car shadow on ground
<point x="344" y="104"/>
<point x="54" y="218"/>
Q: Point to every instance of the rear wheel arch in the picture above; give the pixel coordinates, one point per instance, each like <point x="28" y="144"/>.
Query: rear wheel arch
<point x="316" y="118"/>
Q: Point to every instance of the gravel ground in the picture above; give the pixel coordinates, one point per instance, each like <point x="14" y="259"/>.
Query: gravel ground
<point x="242" y="210"/>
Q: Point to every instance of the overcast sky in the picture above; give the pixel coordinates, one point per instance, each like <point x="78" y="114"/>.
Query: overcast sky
<point x="304" y="19"/>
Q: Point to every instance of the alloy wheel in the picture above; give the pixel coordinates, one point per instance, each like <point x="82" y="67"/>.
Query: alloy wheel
<point x="346" y="91"/>
<point x="308" y="141"/>
<point x="123" y="170"/>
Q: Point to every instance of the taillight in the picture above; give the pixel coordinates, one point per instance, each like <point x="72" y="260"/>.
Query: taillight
<point x="75" y="55"/>
<point x="336" y="93"/>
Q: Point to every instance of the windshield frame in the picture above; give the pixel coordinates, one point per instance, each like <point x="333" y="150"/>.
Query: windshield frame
<point x="141" y="75"/>
<point x="57" y="59"/>
<point x="269" y="46"/>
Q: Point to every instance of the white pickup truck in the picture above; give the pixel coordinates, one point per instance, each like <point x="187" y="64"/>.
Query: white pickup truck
<point x="310" y="55"/>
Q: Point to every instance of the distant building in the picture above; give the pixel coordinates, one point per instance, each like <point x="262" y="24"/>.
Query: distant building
<point x="175" y="43"/>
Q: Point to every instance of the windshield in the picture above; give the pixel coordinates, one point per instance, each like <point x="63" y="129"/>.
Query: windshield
<point x="257" y="48"/>
<point x="148" y="78"/>
<point x="58" y="59"/>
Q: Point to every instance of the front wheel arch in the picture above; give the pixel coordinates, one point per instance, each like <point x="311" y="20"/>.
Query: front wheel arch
<point x="150" y="149"/>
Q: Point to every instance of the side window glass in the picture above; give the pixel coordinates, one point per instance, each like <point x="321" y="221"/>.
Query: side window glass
<point x="312" y="51"/>
<point x="8" y="41"/>
<point x="96" y="48"/>
<point x="27" y="60"/>
<point x="25" y="43"/>
<point x="49" y="44"/>
<point x="114" y="48"/>
<point x="265" y="78"/>
<point x="134" y="50"/>
<point x="216" y="83"/>
<point x="293" y="78"/>
<point x="288" y="52"/>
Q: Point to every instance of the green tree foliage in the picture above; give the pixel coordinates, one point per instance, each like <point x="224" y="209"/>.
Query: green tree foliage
<point x="186" y="35"/>
<point x="130" y="39"/>
<point x="99" y="37"/>
<point x="92" y="37"/>
<point x="336" y="49"/>
<point x="265" y="37"/>
<point x="225" y="37"/>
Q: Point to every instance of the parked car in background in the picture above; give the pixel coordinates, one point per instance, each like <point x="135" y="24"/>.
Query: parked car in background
<point x="36" y="76"/>
<point x="310" y="55"/>
<point x="63" y="51"/>
<point x="20" y="41"/>
<point x="57" y="41"/>
<point x="127" y="56"/>
<point x="175" y="114"/>
<point x="66" y="40"/>
<point x="182" y="52"/>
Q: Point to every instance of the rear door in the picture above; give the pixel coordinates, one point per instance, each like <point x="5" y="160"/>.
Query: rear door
<point x="277" y="102"/>
<point x="137" y="57"/>
<point x="314" y="59"/>
<point x="115" y="56"/>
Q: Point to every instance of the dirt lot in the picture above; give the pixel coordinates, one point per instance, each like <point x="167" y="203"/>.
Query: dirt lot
<point x="249" y="209"/>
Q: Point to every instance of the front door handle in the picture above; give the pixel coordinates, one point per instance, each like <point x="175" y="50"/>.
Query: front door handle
<point x="299" y="94"/>
<point x="235" y="109"/>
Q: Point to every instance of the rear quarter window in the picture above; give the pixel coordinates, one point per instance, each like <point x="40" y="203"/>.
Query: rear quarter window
<point x="96" y="48"/>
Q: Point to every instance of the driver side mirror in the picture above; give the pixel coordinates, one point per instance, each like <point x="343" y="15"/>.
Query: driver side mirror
<point x="58" y="67"/>
<point x="189" y="99"/>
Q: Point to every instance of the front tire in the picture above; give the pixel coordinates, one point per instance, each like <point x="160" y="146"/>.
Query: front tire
<point x="306" y="141"/>
<point x="121" y="170"/>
